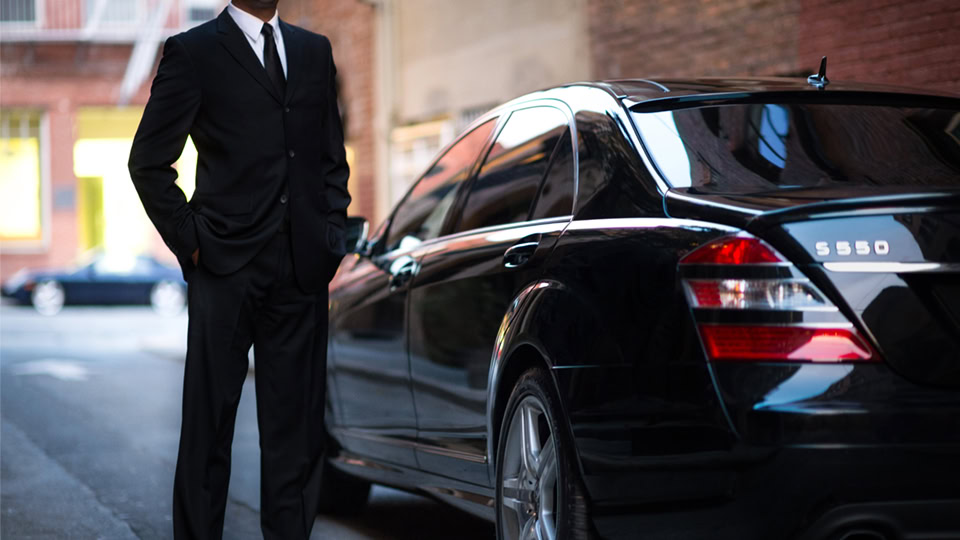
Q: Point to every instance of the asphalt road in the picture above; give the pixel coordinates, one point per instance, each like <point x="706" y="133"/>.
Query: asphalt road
<point x="90" y="405"/>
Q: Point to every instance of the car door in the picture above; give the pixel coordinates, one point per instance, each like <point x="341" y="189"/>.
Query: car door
<point x="370" y="370"/>
<point x="116" y="279"/>
<point x="466" y="281"/>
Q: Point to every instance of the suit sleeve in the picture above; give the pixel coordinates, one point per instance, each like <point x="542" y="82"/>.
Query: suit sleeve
<point x="167" y="120"/>
<point x="335" y="169"/>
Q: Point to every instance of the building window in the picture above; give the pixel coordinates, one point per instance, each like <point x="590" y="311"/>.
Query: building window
<point x="21" y="179"/>
<point x="18" y="11"/>
<point x="114" y="11"/>
<point x="200" y="11"/>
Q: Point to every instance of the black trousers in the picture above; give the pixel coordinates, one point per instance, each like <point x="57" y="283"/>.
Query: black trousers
<point x="259" y="304"/>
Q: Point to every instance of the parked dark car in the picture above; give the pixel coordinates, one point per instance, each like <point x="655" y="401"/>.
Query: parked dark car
<point x="671" y="309"/>
<point x="103" y="279"/>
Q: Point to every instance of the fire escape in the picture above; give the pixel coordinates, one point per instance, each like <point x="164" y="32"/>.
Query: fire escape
<point x="143" y="24"/>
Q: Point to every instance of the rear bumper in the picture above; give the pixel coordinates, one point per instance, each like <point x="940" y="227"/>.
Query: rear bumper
<point x="803" y="493"/>
<point x="765" y="452"/>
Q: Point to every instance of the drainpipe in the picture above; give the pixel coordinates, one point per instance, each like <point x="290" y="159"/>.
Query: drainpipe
<point x="386" y="97"/>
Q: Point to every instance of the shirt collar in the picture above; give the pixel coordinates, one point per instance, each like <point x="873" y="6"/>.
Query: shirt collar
<point x="249" y="24"/>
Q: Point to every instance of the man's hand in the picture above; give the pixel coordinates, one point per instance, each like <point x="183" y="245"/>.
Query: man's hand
<point x="195" y="257"/>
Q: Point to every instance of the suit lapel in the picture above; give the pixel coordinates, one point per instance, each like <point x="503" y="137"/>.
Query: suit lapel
<point x="294" y="50"/>
<point x="232" y="38"/>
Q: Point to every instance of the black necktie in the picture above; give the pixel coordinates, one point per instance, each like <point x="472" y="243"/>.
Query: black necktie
<point x="271" y="60"/>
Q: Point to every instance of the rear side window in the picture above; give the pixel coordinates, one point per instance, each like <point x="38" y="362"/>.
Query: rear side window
<point x="422" y="213"/>
<point x="613" y="182"/>
<point x="556" y="193"/>
<point x="507" y="185"/>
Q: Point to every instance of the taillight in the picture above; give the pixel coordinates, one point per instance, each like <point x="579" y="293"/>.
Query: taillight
<point x="734" y="250"/>
<point x="776" y="294"/>
<point x="752" y="304"/>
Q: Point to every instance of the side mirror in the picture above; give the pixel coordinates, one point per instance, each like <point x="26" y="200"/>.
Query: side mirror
<point x="357" y="230"/>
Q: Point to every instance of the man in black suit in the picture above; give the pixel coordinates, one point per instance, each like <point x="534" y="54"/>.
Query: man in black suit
<point x="258" y="242"/>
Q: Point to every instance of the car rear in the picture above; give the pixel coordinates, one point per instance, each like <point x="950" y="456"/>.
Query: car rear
<point x="830" y="322"/>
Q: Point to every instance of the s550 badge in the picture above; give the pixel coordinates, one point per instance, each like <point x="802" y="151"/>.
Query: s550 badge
<point x="859" y="247"/>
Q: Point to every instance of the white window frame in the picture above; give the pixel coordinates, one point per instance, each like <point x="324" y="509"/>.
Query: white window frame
<point x="39" y="10"/>
<point x="41" y="245"/>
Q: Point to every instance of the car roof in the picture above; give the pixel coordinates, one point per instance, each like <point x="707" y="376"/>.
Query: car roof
<point x="669" y="92"/>
<point x="643" y="89"/>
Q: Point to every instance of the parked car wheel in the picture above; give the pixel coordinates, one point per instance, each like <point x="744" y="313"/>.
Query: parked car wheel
<point x="48" y="297"/>
<point x="342" y="494"/>
<point x="168" y="298"/>
<point x="539" y="495"/>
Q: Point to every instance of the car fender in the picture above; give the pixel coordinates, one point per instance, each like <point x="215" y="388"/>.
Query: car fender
<point x="531" y="316"/>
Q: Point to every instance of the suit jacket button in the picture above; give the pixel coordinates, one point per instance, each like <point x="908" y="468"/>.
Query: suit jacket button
<point x="286" y="109"/>
<point x="283" y="199"/>
<point x="291" y="153"/>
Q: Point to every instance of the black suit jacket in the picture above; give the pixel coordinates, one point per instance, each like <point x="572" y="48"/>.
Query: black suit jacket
<point x="259" y="152"/>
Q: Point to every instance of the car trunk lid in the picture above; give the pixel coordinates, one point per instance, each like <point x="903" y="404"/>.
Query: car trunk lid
<point x="889" y="257"/>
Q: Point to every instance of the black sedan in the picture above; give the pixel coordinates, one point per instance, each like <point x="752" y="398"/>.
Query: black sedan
<point x="103" y="279"/>
<point x="667" y="309"/>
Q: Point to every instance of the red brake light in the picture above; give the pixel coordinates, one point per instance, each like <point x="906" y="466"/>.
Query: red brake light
<point x="779" y="343"/>
<point x="733" y="250"/>
<point x="741" y="311"/>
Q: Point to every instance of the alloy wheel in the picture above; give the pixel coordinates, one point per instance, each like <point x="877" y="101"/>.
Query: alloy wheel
<point x="167" y="298"/>
<point x="48" y="297"/>
<point x="529" y="478"/>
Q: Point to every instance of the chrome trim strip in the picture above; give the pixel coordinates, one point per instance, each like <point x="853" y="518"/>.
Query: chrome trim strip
<point x="890" y="267"/>
<point x="359" y="434"/>
<point x="708" y="202"/>
<point x="403" y="443"/>
<point x="828" y="325"/>
<point x="578" y="366"/>
<point x="497" y="232"/>
<point x="645" y="223"/>
<point x="455" y="454"/>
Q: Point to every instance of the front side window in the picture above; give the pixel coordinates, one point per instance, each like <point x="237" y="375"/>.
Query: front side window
<point x="508" y="181"/>
<point x="423" y="211"/>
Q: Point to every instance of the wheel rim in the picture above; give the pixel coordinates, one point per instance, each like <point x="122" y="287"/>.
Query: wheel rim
<point x="529" y="477"/>
<point x="48" y="297"/>
<point x="167" y="298"/>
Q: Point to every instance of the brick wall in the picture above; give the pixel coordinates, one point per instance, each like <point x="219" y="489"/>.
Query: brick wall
<point x="912" y="43"/>
<point x="682" y="38"/>
<point x="58" y="78"/>
<point x="61" y="77"/>
<point x="54" y="74"/>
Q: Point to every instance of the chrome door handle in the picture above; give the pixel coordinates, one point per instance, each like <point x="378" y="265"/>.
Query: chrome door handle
<point x="518" y="254"/>
<point x="403" y="274"/>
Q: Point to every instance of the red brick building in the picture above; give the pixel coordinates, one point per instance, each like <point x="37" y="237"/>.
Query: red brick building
<point x="69" y="89"/>
<point x="913" y="43"/>
<point x="74" y="77"/>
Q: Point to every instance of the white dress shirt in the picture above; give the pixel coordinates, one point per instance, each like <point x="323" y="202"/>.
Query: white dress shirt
<point x="251" y="27"/>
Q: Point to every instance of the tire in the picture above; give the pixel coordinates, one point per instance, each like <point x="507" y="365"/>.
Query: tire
<point x="168" y="298"/>
<point x="48" y="297"/>
<point x="540" y="496"/>
<point x="342" y="494"/>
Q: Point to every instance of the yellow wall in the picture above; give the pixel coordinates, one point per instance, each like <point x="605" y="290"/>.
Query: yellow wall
<point x="20" y="189"/>
<point x="104" y="137"/>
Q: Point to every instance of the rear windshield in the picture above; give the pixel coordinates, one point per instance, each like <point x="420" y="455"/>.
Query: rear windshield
<point x="749" y="148"/>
